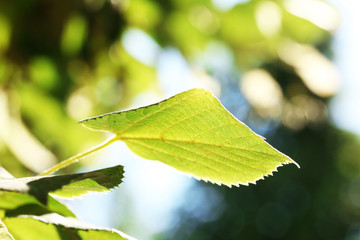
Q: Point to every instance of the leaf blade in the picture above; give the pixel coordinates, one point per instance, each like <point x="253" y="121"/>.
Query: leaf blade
<point x="56" y="227"/>
<point x="14" y="204"/>
<point x="194" y="133"/>
<point x="68" y="186"/>
<point x="4" y="233"/>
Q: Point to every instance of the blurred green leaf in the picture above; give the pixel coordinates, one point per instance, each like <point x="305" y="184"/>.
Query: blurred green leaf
<point x="43" y="72"/>
<point x="5" y="33"/>
<point x="182" y="32"/>
<point x="56" y="227"/>
<point x="142" y="13"/>
<point x="59" y="132"/>
<point x="70" y="185"/>
<point x="194" y="133"/>
<point x="74" y="34"/>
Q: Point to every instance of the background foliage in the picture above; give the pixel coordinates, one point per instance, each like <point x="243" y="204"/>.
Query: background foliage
<point x="61" y="61"/>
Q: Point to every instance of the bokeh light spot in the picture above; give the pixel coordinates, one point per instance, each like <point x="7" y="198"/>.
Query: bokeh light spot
<point x="318" y="12"/>
<point x="268" y="18"/>
<point x="263" y="92"/>
<point x="141" y="46"/>
<point x="318" y="73"/>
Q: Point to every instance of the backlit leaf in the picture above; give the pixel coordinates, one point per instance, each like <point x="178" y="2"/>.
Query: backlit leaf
<point x="56" y="227"/>
<point x="14" y="204"/>
<point x="4" y="234"/>
<point x="70" y="185"/>
<point x="194" y="133"/>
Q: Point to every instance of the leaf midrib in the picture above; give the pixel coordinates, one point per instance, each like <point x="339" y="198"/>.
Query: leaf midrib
<point x="212" y="159"/>
<point x="197" y="142"/>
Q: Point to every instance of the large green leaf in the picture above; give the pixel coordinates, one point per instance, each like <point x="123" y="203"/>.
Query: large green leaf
<point x="70" y="185"/>
<point x="4" y="234"/>
<point x="194" y="133"/>
<point x="56" y="227"/>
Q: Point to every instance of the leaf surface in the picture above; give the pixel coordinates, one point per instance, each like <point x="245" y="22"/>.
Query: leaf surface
<point x="4" y="234"/>
<point x="194" y="133"/>
<point x="56" y="227"/>
<point x="14" y="204"/>
<point x="70" y="185"/>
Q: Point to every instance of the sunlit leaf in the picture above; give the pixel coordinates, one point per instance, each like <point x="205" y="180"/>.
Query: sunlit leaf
<point x="71" y="185"/>
<point x="14" y="204"/>
<point x="56" y="227"/>
<point x="194" y="133"/>
<point x="4" y="234"/>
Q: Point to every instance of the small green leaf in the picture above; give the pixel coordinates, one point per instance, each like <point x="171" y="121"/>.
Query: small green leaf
<point x="4" y="234"/>
<point x="194" y="133"/>
<point x="14" y="204"/>
<point x="56" y="227"/>
<point x="70" y="185"/>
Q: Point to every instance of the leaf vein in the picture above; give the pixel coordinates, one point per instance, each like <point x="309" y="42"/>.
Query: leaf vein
<point x="151" y="114"/>
<point x="173" y="155"/>
<point x="215" y="160"/>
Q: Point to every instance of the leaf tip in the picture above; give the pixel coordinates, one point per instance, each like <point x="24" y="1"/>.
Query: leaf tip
<point x="296" y="164"/>
<point x="289" y="161"/>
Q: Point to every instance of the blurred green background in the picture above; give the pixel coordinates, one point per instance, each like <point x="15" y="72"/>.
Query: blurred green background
<point x="269" y="62"/>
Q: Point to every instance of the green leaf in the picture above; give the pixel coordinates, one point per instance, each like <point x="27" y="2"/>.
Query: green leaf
<point x="194" y="133"/>
<point x="4" y="234"/>
<point x="14" y="204"/>
<point x="70" y="185"/>
<point x="56" y="227"/>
